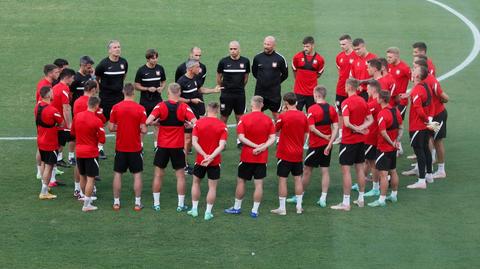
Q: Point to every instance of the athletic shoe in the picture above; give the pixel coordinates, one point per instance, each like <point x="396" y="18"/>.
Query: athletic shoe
<point x="392" y="199"/>
<point x="355" y="187"/>
<point x="102" y="155"/>
<point x="72" y="162"/>
<point x="82" y="198"/>
<point x="156" y="207"/>
<point x="62" y="163"/>
<point x="46" y="196"/>
<point x="76" y="193"/>
<point x="377" y="203"/>
<point x="193" y="213"/>
<point x="52" y="184"/>
<point x="439" y="174"/>
<point x="292" y="199"/>
<point x="359" y="203"/>
<point x="188" y="170"/>
<point x="278" y="211"/>
<point x="89" y="208"/>
<point x="233" y="211"/>
<point x="39" y="177"/>
<point x="254" y="215"/>
<point x="116" y="207"/>
<point x="299" y="210"/>
<point x="59" y="172"/>
<point x="411" y="172"/>
<point x="417" y="185"/>
<point x="429" y="178"/>
<point x="322" y="203"/>
<point x="412" y="157"/>
<point x="208" y="216"/>
<point x="341" y="206"/>
<point x="372" y="192"/>
<point x="182" y="208"/>
<point x="138" y="208"/>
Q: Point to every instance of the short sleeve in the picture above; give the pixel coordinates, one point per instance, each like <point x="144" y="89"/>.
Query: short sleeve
<point x="138" y="75"/>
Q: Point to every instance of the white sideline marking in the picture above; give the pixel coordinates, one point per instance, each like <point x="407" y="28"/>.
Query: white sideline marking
<point x="473" y="54"/>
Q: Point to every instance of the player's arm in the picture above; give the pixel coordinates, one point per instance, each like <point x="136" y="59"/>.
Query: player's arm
<point x="317" y="132"/>
<point x="246" y="141"/>
<point x="254" y="67"/>
<point x="67" y="114"/>
<point x="143" y="128"/>
<point x="283" y="70"/>
<point x="101" y="134"/>
<point x="141" y="88"/>
<point x="385" y="136"/>
<point x="368" y="121"/>
<point x="294" y="69"/>
<point x="219" y="78"/>
<point x="444" y="97"/>
<point x="264" y="146"/>
<point x="112" y="127"/>
<point x="215" y="89"/>
<point x="218" y="150"/>
<point x="197" y="146"/>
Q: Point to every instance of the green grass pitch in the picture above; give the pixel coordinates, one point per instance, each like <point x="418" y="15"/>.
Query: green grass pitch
<point x="436" y="228"/>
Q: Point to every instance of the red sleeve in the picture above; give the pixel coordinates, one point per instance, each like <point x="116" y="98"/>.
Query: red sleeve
<point x="240" y="127"/>
<point x="65" y="98"/>
<point x="408" y="72"/>
<point x="399" y="117"/>
<point x="382" y="125"/>
<point x="57" y="117"/>
<point x="417" y="105"/>
<point x="333" y="115"/>
<point x="437" y="89"/>
<point x="294" y="62"/>
<point x="143" y="118"/>
<point x="279" y="123"/>
<point x="113" y="115"/>
<point x="321" y="64"/>
<point x="337" y="61"/>
<point x="310" y="117"/>
<point x="156" y="112"/>
<point x="101" y="116"/>
<point x="345" y="111"/>
<point x="101" y="133"/>
<point x="224" y="135"/>
<point x="272" y="128"/>
<point x="195" y="130"/>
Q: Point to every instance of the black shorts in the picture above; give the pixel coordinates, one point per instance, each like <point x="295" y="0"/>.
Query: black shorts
<point x="107" y="103"/>
<point x="198" y="109"/>
<point x="442" y="119"/>
<point x="370" y="152"/>
<point x="351" y="153"/>
<point x="363" y="94"/>
<point x="284" y="168"/>
<point x="229" y="103"/>
<point x="132" y="161"/>
<point x="338" y="103"/>
<point x="272" y="105"/>
<point x="212" y="172"/>
<point x="304" y="100"/>
<point x="149" y="106"/>
<point x="403" y="110"/>
<point x="248" y="170"/>
<point x="48" y="157"/>
<point x="315" y="157"/>
<point x="163" y="155"/>
<point x="64" y="137"/>
<point x="386" y="161"/>
<point x="419" y="139"/>
<point x="88" y="167"/>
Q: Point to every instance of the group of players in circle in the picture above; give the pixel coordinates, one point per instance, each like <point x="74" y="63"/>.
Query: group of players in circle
<point x="366" y="120"/>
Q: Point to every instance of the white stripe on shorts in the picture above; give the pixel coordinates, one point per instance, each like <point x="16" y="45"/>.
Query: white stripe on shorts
<point x="379" y="157"/>
<point x="341" y="152"/>
<point x="368" y="150"/>
<point x="413" y="137"/>
<point x="309" y="155"/>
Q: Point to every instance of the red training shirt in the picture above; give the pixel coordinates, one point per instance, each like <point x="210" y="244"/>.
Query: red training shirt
<point x="385" y="121"/>
<point x="344" y="65"/>
<point x="128" y="116"/>
<point x="374" y="107"/>
<point x="387" y="83"/>
<point x="437" y="91"/>
<point x="256" y="127"/>
<point x="42" y="83"/>
<point x="61" y="96"/>
<point x="47" y="138"/>
<point x="418" y="113"/>
<point x="81" y="104"/>
<point x="402" y="74"/>
<point x="357" y="110"/>
<point x="209" y="132"/>
<point x="292" y="125"/>
<point x="316" y="115"/>
<point x="88" y="131"/>
<point x="359" y="68"/>
<point x="431" y="67"/>
<point x="307" y="68"/>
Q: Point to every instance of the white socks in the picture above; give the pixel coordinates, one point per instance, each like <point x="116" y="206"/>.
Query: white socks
<point x="281" y="201"/>
<point x="60" y="156"/>
<point x="360" y="196"/>
<point x="116" y="201"/>
<point x="382" y="198"/>
<point x="299" y="200"/>
<point x="255" y="207"/>
<point x="181" y="200"/>
<point x="138" y="200"/>
<point x="194" y="205"/>
<point x="71" y="155"/>
<point x="155" y="144"/>
<point x="441" y="167"/>
<point x="77" y="186"/>
<point x="346" y="199"/>
<point x="54" y="173"/>
<point x="209" y="208"/>
<point x="323" y="197"/>
<point x="394" y="193"/>
<point x="238" y="204"/>
<point x="376" y="186"/>
<point x="156" y="198"/>
<point x="421" y="180"/>
<point x="44" y="189"/>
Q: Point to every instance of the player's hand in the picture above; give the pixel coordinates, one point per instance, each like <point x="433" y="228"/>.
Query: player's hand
<point x="207" y="160"/>
<point x="196" y="100"/>
<point x="151" y="89"/>
<point x="327" y="149"/>
<point x="397" y="144"/>
<point x="159" y="89"/>
<point x="218" y="88"/>
<point x="433" y="126"/>
<point x="327" y="137"/>
<point x="404" y="95"/>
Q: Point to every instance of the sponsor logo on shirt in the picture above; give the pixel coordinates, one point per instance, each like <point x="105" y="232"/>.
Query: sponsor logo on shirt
<point x="315" y="61"/>
<point x="351" y="61"/>
<point x="398" y="72"/>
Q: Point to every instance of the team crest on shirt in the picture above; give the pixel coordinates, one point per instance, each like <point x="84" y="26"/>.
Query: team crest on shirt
<point x="122" y="66"/>
<point x="351" y="61"/>
<point x="398" y="72"/>
<point x="158" y="73"/>
<point x="341" y="60"/>
<point x="303" y="60"/>
<point x="315" y="62"/>
<point x="242" y="66"/>
<point x="274" y="64"/>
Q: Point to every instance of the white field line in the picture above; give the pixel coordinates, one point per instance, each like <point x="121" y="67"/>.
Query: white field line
<point x="473" y="54"/>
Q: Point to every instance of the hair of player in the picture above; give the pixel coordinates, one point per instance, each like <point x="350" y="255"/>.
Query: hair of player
<point x="151" y="53"/>
<point x="45" y="92"/>
<point x="194" y="48"/>
<point x="345" y="37"/>
<point x="321" y="91"/>
<point x="111" y="42"/>
<point x="67" y="73"/>
<point x="422" y="57"/>
<point x="49" y="68"/>
<point x="394" y="50"/>
<point x="60" y="62"/>
<point x="174" y="88"/>
<point x="234" y="43"/>
<point x="290" y="98"/>
<point x="213" y="106"/>
<point x="420" y="45"/>
<point x="384" y="96"/>
<point x="358" y="42"/>
<point x="93" y="101"/>
<point x="128" y="89"/>
<point x="421" y="62"/>
<point x="423" y="72"/>
<point x="375" y="63"/>
<point x="383" y="62"/>
<point x="271" y="38"/>
<point x="84" y="60"/>
<point x="352" y="82"/>
<point x="257" y="101"/>
<point x="90" y="85"/>
<point x="191" y="63"/>
<point x="308" y="40"/>
<point x="375" y="84"/>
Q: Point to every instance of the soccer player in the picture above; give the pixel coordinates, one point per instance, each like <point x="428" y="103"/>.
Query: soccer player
<point x="420" y="48"/>
<point x="61" y="64"/>
<point x="360" y="64"/>
<point x="323" y="125"/>
<point x="389" y="122"/>
<point x="256" y="132"/>
<point x="192" y="95"/>
<point x="47" y="119"/>
<point x="232" y="75"/>
<point x="150" y="80"/>
<point x="209" y="139"/>
<point x="84" y="74"/>
<point x="293" y="127"/>
<point x="61" y="101"/>
<point x="171" y="115"/>
<point x="387" y="81"/>
<point x="270" y="69"/>
<point x="195" y="54"/>
<point x="402" y="75"/>
<point x="356" y="120"/>
<point x="307" y="67"/>
<point x="344" y="61"/>
<point x="127" y="119"/>
<point x="420" y="116"/>
<point x="88" y="131"/>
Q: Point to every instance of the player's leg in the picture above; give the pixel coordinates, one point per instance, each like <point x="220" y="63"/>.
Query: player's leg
<point x="158" y="175"/>
<point x="211" y="197"/>
<point x="298" y="192"/>
<point x="440" y="148"/>
<point x="282" y="196"/>
<point x="195" y="193"/>
<point x="91" y="171"/>
<point x="360" y="172"/>
<point x="135" y="165"/>
<point x="322" y="202"/>
<point x="117" y="187"/>
<point x="347" y="186"/>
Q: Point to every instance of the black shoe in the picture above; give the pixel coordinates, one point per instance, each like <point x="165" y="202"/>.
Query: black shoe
<point x="72" y="162"/>
<point x="101" y="155"/>
<point x="62" y="163"/>
<point x="188" y="170"/>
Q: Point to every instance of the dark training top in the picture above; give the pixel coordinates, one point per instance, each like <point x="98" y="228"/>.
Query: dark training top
<point x="233" y="73"/>
<point x="112" y="75"/>
<point x="270" y="70"/>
